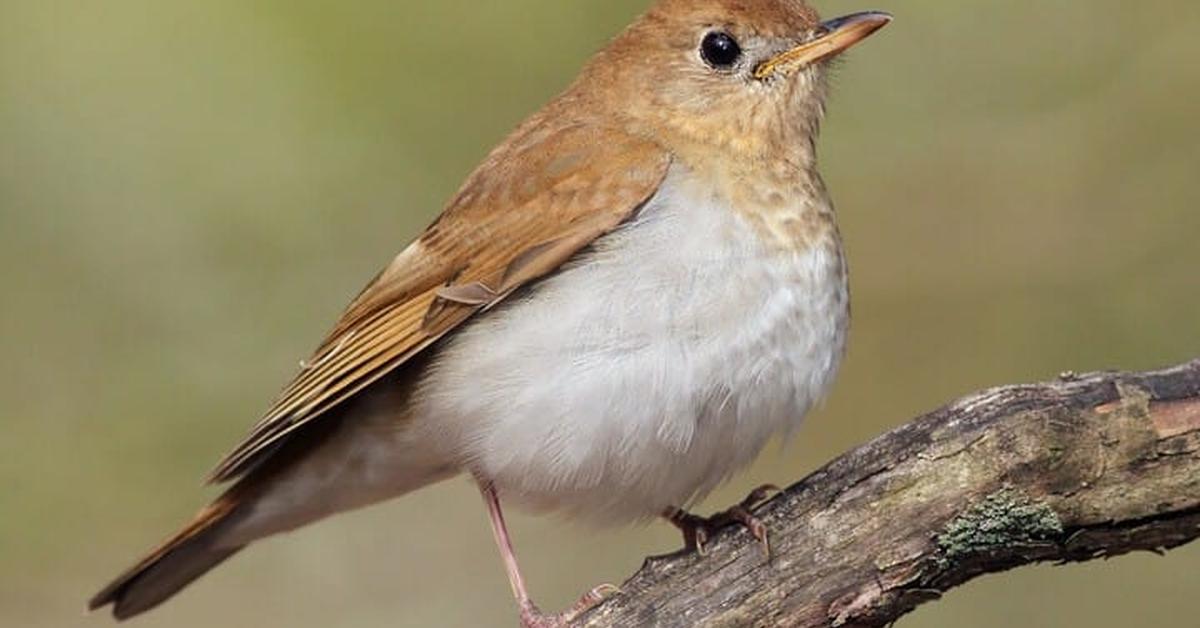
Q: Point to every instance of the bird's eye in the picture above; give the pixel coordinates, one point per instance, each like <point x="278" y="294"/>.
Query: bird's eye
<point x="720" y="50"/>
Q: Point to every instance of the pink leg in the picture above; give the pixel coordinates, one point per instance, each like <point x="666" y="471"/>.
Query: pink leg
<point x="531" y="615"/>
<point x="500" y="532"/>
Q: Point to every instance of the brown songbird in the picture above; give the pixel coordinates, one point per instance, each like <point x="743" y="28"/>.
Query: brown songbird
<point x="634" y="292"/>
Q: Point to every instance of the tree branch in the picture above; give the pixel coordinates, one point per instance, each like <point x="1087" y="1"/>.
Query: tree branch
<point x="1081" y="468"/>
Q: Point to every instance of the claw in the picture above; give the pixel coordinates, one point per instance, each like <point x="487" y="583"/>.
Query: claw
<point x="760" y="494"/>
<point x="697" y="530"/>
<point x="756" y="527"/>
<point x="590" y="600"/>
<point x="533" y="617"/>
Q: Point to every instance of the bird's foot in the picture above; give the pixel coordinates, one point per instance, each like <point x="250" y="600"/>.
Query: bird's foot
<point x="533" y="617"/>
<point x="697" y="530"/>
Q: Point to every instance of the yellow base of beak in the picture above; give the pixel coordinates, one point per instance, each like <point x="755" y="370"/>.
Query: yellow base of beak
<point x="839" y="34"/>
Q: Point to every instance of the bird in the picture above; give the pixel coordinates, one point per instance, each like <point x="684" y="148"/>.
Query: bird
<point x="635" y="291"/>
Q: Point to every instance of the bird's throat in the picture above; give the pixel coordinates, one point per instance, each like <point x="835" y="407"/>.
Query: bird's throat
<point x="786" y="204"/>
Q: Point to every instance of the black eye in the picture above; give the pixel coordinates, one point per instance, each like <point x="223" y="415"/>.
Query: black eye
<point x="720" y="50"/>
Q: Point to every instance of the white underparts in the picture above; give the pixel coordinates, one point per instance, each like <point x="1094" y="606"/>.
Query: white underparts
<point x="648" y="371"/>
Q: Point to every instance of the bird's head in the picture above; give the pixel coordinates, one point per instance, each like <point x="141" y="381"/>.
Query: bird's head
<point x="745" y="78"/>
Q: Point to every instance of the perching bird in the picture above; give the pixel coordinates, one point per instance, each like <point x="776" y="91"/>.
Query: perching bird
<point x="638" y="288"/>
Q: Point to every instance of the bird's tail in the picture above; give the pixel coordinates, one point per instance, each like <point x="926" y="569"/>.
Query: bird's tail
<point x="173" y="565"/>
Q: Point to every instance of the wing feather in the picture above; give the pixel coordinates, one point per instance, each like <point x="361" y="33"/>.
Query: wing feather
<point x="539" y="198"/>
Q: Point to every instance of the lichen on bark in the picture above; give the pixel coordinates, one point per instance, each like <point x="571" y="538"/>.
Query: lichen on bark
<point x="1092" y="466"/>
<point x="1003" y="519"/>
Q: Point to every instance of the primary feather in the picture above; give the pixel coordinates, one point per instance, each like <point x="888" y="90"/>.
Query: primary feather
<point x="540" y="197"/>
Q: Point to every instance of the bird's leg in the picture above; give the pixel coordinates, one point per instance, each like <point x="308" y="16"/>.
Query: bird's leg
<point x="531" y="615"/>
<point x="697" y="530"/>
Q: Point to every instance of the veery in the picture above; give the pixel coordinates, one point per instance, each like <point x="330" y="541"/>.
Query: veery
<point x="623" y="303"/>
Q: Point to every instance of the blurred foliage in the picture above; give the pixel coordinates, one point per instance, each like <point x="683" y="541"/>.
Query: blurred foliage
<point x="189" y="192"/>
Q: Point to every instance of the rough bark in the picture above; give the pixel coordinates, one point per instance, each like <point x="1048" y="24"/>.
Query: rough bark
<point x="1081" y="468"/>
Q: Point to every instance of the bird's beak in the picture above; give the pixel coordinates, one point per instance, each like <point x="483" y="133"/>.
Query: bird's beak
<point x="833" y="37"/>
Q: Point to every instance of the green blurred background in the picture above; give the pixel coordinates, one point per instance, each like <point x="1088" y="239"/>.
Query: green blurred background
<point x="189" y="192"/>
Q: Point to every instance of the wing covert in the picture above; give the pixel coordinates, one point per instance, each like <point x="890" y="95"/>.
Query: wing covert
<point x="538" y="199"/>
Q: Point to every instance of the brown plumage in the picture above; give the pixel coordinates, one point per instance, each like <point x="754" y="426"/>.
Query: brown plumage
<point x="552" y="188"/>
<point x="652" y="123"/>
<point x="194" y="550"/>
<point x="173" y="565"/>
<point x="548" y="191"/>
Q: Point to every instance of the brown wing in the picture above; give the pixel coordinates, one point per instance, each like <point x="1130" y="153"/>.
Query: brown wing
<point x="541" y="196"/>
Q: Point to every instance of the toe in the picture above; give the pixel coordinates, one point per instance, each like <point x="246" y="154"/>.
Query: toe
<point x="587" y="602"/>
<point x="759" y="530"/>
<point x="701" y="540"/>
<point x="760" y="494"/>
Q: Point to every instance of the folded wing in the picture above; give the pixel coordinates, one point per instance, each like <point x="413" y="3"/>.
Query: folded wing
<point x="538" y="199"/>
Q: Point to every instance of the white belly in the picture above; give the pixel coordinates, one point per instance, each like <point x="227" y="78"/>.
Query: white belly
<point x="643" y="376"/>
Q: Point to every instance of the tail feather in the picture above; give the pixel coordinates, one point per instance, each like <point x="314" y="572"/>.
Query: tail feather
<point x="173" y="565"/>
